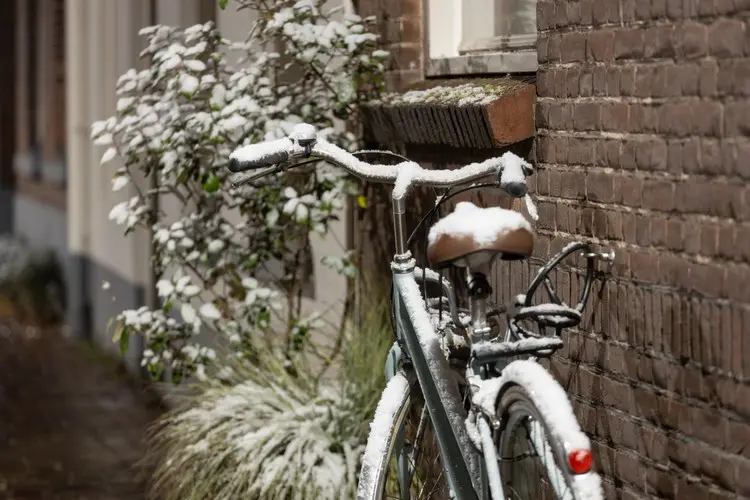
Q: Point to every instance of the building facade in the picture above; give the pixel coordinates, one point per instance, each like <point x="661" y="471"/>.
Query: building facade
<point x="641" y="145"/>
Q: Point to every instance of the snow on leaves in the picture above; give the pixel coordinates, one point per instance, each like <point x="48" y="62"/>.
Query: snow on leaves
<point x="181" y="117"/>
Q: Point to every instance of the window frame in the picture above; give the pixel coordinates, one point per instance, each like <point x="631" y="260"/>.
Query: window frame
<point x="476" y="56"/>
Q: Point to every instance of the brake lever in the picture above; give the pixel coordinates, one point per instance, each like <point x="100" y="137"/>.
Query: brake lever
<point x="531" y="207"/>
<point x="248" y="178"/>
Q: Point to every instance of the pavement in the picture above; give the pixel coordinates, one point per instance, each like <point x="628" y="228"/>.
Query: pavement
<point x="72" y="422"/>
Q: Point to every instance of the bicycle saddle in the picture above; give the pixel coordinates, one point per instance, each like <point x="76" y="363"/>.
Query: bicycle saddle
<point x="470" y="236"/>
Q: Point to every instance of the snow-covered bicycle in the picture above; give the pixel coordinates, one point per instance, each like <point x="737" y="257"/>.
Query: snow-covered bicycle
<point x="461" y="415"/>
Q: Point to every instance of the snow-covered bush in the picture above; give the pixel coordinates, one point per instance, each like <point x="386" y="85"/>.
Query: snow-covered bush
<point x="267" y="435"/>
<point x="176" y="123"/>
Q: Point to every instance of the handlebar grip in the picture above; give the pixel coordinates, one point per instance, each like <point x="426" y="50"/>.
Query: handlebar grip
<point x="262" y="155"/>
<point x="513" y="177"/>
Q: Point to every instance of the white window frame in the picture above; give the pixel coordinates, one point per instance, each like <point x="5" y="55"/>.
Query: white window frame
<point x="460" y="40"/>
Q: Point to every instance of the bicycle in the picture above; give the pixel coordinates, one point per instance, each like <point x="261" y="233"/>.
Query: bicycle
<point x="447" y="371"/>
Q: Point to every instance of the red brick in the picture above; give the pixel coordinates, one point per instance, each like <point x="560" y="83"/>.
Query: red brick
<point x="725" y="38"/>
<point x="628" y="43"/>
<point x="600" y="187"/>
<point x="737" y="119"/>
<point x="600" y="46"/>
<point x="615" y="116"/>
<point x="658" y="42"/>
<point x="707" y="83"/>
<point x="658" y="195"/>
<point x="692" y="39"/>
<point x="573" y="47"/>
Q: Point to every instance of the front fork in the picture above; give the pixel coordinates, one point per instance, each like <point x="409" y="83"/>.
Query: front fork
<point x="392" y="362"/>
<point x="479" y="290"/>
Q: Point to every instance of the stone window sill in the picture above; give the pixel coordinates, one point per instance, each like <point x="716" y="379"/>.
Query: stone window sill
<point x="522" y="61"/>
<point x="505" y="117"/>
<point x="53" y="195"/>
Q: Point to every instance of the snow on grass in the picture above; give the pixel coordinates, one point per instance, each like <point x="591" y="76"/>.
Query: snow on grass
<point x="266" y="437"/>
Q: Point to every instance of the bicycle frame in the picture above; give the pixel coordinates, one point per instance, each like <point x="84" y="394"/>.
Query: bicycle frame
<point x="462" y="462"/>
<point x="471" y="472"/>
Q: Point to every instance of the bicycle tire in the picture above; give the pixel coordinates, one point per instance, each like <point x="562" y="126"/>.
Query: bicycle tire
<point x="391" y="416"/>
<point x="515" y="405"/>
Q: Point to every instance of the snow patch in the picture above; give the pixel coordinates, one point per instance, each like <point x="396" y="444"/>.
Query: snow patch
<point x="258" y="153"/>
<point x="483" y="349"/>
<point x="417" y="174"/>
<point x="390" y="403"/>
<point x="483" y="225"/>
<point x="463" y="95"/>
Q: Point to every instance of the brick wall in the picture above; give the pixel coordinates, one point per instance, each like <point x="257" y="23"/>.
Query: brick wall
<point x="401" y="30"/>
<point x="643" y="117"/>
<point x="642" y="121"/>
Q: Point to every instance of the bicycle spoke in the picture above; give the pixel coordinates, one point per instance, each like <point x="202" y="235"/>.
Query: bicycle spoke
<point x="423" y="418"/>
<point x="424" y="476"/>
<point x="440" y="476"/>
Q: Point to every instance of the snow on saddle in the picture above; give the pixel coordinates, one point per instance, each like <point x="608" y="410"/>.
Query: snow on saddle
<point x="470" y="236"/>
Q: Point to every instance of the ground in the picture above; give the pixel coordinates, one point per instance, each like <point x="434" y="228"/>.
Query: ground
<point x="72" y="424"/>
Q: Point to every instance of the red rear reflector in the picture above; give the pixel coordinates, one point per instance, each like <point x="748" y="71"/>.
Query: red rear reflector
<point x="580" y="461"/>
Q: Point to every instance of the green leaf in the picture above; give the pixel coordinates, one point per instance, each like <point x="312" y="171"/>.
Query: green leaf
<point x="155" y="371"/>
<point x="362" y="201"/>
<point x="212" y="184"/>
<point x="223" y="4"/>
<point x="264" y="318"/>
<point x="252" y="261"/>
<point x="124" y="341"/>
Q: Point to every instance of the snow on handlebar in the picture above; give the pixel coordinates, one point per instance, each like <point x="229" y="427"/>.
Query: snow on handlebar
<point x="261" y="155"/>
<point x="303" y="142"/>
<point x="268" y="153"/>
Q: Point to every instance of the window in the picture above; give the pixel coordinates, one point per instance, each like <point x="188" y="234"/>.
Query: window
<point x="480" y="36"/>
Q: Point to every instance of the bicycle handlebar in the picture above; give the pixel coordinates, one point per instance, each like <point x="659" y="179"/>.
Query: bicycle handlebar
<point x="264" y="155"/>
<point x="303" y="142"/>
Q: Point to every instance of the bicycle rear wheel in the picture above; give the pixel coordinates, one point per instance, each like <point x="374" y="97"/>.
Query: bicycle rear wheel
<point x="532" y="465"/>
<point x="402" y="459"/>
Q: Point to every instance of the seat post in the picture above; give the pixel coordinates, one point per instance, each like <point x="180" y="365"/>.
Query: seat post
<point x="479" y="290"/>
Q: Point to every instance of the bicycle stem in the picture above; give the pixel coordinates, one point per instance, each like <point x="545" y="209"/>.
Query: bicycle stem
<point x="399" y="223"/>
